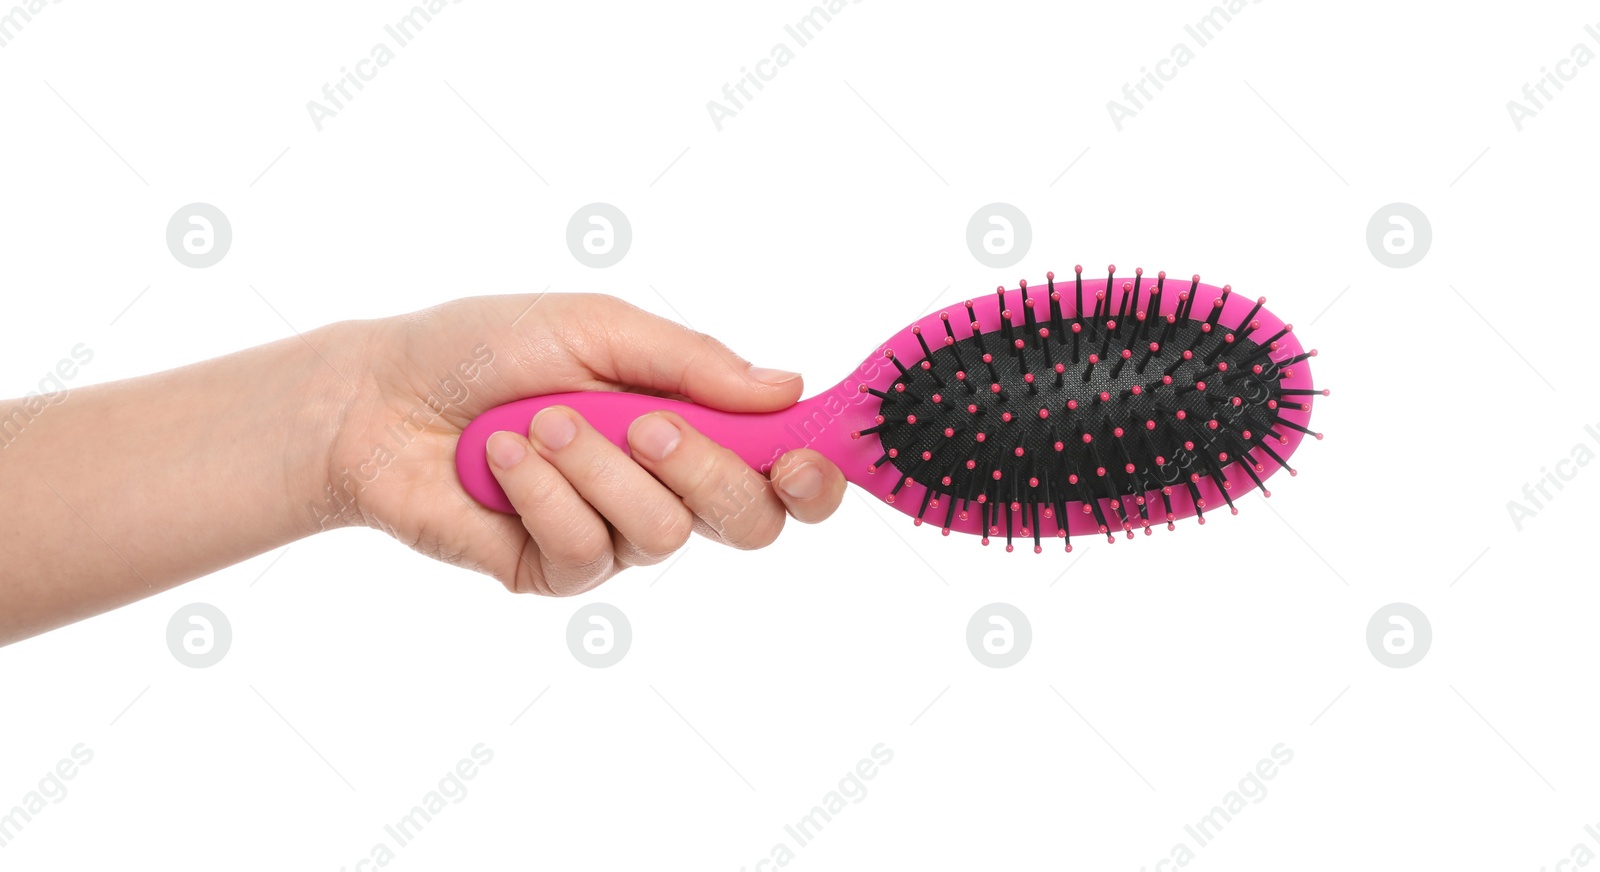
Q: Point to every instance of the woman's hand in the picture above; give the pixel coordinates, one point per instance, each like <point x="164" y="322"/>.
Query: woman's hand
<point x="587" y="509"/>
<point x="118" y="491"/>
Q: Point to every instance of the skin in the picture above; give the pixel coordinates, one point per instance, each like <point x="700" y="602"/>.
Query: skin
<point x="118" y="491"/>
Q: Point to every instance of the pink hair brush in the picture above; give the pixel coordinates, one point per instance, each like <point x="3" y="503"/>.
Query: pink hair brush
<point x="1089" y="407"/>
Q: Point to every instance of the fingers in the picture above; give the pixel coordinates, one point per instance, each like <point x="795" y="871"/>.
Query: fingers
<point x="573" y="550"/>
<point x="590" y="509"/>
<point x="733" y="503"/>
<point x="649" y="521"/>
<point x="642" y="350"/>
<point x="810" y="485"/>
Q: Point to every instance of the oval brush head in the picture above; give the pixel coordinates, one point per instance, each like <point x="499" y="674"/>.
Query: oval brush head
<point x="1086" y="400"/>
<point x="1086" y="407"/>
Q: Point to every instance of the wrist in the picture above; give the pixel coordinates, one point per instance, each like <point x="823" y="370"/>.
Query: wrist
<point x="329" y="378"/>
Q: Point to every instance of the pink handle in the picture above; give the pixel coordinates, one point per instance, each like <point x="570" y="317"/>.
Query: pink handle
<point x="758" y="438"/>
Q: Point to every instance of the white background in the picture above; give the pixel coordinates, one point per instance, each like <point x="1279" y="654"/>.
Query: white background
<point x="824" y="216"/>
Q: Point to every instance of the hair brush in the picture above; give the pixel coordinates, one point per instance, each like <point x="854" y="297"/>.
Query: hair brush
<point x="1091" y="407"/>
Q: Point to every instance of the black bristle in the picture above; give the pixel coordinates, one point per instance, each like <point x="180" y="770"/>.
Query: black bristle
<point x="1055" y="310"/>
<point x="1244" y="327"/>
<point x="1187" y="299"/>
<point x="977" y="332"/>
<point x="1266" y="346"/>
<point x="1217" y="304"/>
<point x="1005" y="320"/>
<point x="927" y="497"/>
<point x="952" y="345"/>
<point x="1030" y="325"/>
<point x="1133" y="307"/>
<point x="1153" y="315"/>
<point x="1059" y="507"/>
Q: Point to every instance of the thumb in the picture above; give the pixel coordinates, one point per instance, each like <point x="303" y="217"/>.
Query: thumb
<point x="641" y="350"/>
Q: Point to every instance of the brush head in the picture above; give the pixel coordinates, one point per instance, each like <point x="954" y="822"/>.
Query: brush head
<point x="1087" y="407"/>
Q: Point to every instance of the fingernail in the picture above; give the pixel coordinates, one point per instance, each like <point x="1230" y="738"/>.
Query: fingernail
<point x="553" y="428"/>
<point x="802" y="482"/>
<point x="770" y="376"/>
<point x="655" y="437"/>
<point x="505" y="449"/>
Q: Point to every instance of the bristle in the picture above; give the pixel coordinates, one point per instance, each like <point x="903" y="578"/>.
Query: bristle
<point x="950" y="340"/>
<point x="977" y="331"/>
<point x="1005" y="315"/>
<point x="1133" y="306"/>
<point x="1055" y="309"/>
<point x="1156" y="301"/>
<point x="1077" y="272"/>
<point x="1245" y="325"/>
<point x="1267" y="345"/>
<point x="1187" y="298"/>
<point x="1220" y="350"/>
<point x="1216" y="306"/>
<point x="888" y="354"/>
<point x="1299" y="357"/>
<point x="1030" y="325"/>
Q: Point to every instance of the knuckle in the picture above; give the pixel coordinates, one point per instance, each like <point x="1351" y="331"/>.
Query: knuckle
<point x="763" y="532"/>
<point x="713" y="344"/>
<point x="524" y="580"/>
<point x="671" y="532"/>
<point x="588" y="565"/>
<point x="523" y="577"/>
<point x="703" y="475"/>
<point x="589" y="302"/>
<point x="594" y="464"/>
<point x="744" y="510"/>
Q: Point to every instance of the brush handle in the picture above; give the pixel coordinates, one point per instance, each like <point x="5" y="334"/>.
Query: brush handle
<point x="758" y="438"/>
